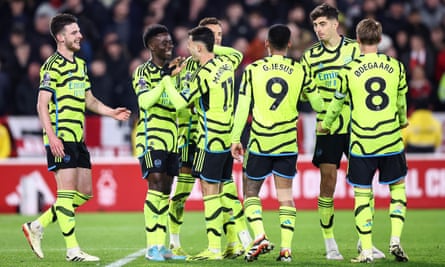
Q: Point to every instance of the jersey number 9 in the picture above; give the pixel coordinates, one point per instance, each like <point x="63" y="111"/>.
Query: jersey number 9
<point x="277" y="95"/>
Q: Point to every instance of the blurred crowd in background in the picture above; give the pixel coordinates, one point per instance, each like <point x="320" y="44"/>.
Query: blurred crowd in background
<point x="414" y="32"/>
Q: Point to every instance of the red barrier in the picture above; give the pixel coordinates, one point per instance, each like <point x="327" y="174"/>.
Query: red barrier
<point x="118" y="186"/>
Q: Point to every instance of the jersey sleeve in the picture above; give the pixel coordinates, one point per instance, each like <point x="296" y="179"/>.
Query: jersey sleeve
<point x="182" y="82"/>
<point x="243" y="106"/>
<point x="336" y="105"/>
<point x="232" y="54"/>
<point x="311" y="93"/>
<point x="304" y="62"/>
<point x="146" y="95"/>
<point x="48" y="80"/>
<point x="179" y="99"/>
<point x="87" y="79"/>
<point x="401" y="96"/>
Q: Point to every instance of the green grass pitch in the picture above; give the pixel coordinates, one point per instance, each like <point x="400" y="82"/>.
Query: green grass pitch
<point x="114" y="236"/>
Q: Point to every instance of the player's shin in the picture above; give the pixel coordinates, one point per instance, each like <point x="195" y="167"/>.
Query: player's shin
<point x="363" y="216"/>
<point x="397" y="210"/>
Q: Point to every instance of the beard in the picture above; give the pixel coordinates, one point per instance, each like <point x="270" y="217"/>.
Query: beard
<point x="73" y="46"/>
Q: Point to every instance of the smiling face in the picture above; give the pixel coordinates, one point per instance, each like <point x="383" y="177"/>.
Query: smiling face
<point x="161" y="46"/>
<point x="71" y="37"/>
<point x="325" y="28"/>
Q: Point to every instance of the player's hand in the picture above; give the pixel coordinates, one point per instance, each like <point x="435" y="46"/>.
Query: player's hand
<point x="320" y="129"/>
<point x="173" y="67"/>
<point x="121" y="114"/>
<point x="56" y="146"/>
<point x="237" y="151"/>
<point x="177" y="61"/>
<point x="179" y="65"/>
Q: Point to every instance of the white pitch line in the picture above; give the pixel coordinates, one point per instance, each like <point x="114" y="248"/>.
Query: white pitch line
<point x="127" y="259"/>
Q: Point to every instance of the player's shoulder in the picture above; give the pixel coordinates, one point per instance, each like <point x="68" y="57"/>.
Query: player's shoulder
<point x="394" y="62"/>
<point x="356" y="62"/>
<point x="146" y="69"/>
<point x="139" y="70"/>
<point x="349" y="46"/>
<point x="257" y="63"/>
<point x="216" y="64"/>
<point x="294" y="64"/>
<point x="349" y="41"/>
<point x="286" y="60"/>
<point x="190" y="64"/>
<point x="377" y="59"/>
<point x="314" y="47"/>
<point x="386" y="59"/>
<point x="233" y="59"/>
<point x="79" y="60"/>
<point x="52" y="62"/>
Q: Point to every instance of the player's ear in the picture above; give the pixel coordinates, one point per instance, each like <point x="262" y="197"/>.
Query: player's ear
<point x="59" y="37"/>
<point x="150" y="45"/>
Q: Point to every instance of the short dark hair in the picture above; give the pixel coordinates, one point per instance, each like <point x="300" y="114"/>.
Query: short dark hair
<point x="324" y="10"/>
<point x="205" y="35"/>
<point x="59" y="21"/>
<point x="369" y="32"/>
<point x="279" y="36"/>
<point x="151" y="31"/>
<point x="209" y="21"/>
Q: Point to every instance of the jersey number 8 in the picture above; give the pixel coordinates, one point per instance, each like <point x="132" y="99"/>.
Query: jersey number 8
<point x="376" y="93"/>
